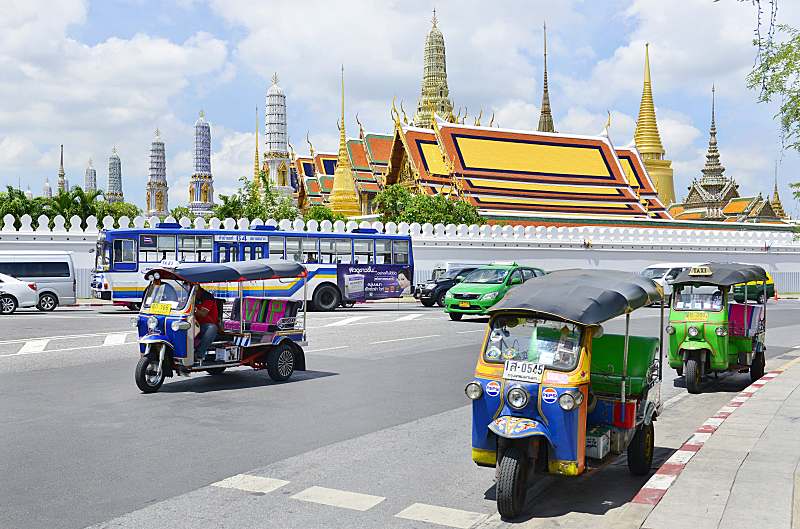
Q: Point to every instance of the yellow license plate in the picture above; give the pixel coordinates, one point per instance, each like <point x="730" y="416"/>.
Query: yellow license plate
<point x="160" y="308"/>
<point x="464" y="304"/>
<point x="697" y="316"/>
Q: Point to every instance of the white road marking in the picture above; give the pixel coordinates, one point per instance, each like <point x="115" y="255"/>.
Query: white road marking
<point x="250" y="483"/>
<point x="473" y="330"/>
<point x="727" y="409"/>
<point x="346" y="321"/>
<point x="441" y="515"/>
<point x="64" y="337"/>
<point x="59" y="350"/>
<point x="672" y="400"/>
<point x="326" y="349"/>
<point x="117" y="338"/>
<point x="660" y="481"/>
<point x="796" y="346"/>
<point x="404" y="339"/>
<point x="681" y="457"/>
<point x="33" y="346"/>
<point x="699" y="438"/>
<point x="409" y="317"/>
<point x="339" y="498"/>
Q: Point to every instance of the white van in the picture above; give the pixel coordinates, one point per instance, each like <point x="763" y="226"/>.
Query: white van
<point x="53" y="273"/>
<point x="665" y="273"/>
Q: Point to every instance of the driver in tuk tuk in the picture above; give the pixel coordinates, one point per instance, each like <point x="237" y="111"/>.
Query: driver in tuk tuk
<point x="207" y="317"/>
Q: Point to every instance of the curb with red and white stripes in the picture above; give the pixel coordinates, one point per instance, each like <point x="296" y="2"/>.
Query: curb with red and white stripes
<point x="660" y="482"/>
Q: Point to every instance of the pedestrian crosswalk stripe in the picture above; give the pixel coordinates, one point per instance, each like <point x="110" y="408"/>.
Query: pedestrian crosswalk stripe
<point x="250" y="483"/>
<point x="34" y="346"/>
<point x="346" y="321"/>
<point x="117" y="338"/>
<point x="409" y="317"/>
<point x="446" y="516"/>
<point x="339" y="498"/>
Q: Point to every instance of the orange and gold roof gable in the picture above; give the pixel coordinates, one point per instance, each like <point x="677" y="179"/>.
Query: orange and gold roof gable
<point x="325" y="163"/>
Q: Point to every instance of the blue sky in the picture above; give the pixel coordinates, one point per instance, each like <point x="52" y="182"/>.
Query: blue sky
<point x="93" y="75"/>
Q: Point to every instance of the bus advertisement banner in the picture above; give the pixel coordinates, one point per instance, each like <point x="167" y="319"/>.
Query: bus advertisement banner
<point x="360" y="282"/>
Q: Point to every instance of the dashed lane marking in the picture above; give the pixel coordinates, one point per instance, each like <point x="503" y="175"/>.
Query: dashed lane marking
<point x="473" y="330"/>
<point x="406" y="338"/>
<point x="446" y="516"/>
<point x="250" y="483"/>
<point x="117" y="338"/>
<point x="339" y="498"/>
<point x="409" y="317"/>
<point x="81" y="348"/>
<point x="33" y="346"/>
<point x="64" y="337"/>
<point x="326" y="349"/>
<point x="346" y="321"/>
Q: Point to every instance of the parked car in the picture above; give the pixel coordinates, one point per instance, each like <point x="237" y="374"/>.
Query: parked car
<point x="665" y="273"/>
<point x="435" y="289"/>
<point x="52" y="271"/>
<point x="755" y="291"/>
<point x="15" y="293"/>
<point x="484" y="287"/>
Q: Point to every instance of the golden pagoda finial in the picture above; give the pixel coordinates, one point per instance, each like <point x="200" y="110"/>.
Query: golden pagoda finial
<point x="343" y="198"/>
<point x="646" y="136"/>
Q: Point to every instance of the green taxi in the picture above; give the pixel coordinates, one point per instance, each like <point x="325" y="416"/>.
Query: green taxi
<point x="482" y="288"/>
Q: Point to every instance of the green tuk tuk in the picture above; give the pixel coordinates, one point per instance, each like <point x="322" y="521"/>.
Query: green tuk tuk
<point x="709" y="331"/>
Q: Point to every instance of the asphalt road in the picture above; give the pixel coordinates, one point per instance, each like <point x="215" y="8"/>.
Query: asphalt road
<point x="379" y="417"/>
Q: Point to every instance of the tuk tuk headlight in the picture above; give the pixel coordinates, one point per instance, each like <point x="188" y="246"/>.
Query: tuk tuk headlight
<point x="473" y="390"/>
<point x="693" y="331"/>
<point x="152" y="323"/>
<point x="670" y="329"/>
<point x="569" y="400"/>
<point x="721" y="331"/>
<point x="517" y="398"/>
<point x="180" y="325"/>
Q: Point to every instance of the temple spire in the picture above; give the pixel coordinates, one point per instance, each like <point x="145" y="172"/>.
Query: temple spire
<point x="713" y="169"/>
<point x="648" y="140"/>
<point x="343" y="198"/>
<point x="62" y="179"/>
<point x="434" y="96"/>
<point x="777" y="207"/>
<point x="256" y="159"/>
<point x="545" y="115"/>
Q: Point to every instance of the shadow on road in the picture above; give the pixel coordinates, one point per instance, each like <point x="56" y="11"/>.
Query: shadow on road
<point x="235" y="379"/>
<point x="595" y="492"/>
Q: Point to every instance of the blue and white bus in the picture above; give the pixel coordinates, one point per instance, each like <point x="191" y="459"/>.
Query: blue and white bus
<point x="343" y="268"/>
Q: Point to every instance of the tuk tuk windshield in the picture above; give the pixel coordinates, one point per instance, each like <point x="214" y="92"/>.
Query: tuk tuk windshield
<point x="555" y="344"/>
<point x="169" y="291"/>
<point x="697" y="297"/>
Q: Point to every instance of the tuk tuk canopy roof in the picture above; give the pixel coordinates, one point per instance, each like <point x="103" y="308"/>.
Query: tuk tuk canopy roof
<point x="721" y="274"/>
<point x="587" y="297"/>
<point x="254" y="270"/>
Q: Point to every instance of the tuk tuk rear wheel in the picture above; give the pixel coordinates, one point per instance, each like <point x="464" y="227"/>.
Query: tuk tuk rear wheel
<point x="693" y="378"/>
<point x="640" y="451"/>
<point x="280" y="362"/>
<point x="757" y="367"/>
<point x="512" y="483"/>
<point x="147" y="378"/>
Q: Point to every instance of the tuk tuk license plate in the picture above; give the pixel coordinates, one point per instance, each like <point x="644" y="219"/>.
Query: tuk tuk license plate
<point x="697" y="316"/>
<point x="161" y="308"/>
<point x="464" y="304"/>
<point x="524" y="371"/>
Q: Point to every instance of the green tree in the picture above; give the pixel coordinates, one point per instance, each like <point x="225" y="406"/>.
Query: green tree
<point x="14" y="202"/>
<point x="250" y="202"/>
<point x="397" y="204"/>
<point x="116" y="210"/>
<point x="320" y="213"/>
<point x="182" y="211"/>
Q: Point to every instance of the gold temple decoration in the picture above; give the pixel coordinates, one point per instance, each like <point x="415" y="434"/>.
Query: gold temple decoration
<point x="343" y="198"/>
<point x="648" y="140"/>
<point x="478" y="119"/>
<point x="434" y="95"/>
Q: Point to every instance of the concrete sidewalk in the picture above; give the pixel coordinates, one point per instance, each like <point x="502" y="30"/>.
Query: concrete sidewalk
<point x="745" y="474"/>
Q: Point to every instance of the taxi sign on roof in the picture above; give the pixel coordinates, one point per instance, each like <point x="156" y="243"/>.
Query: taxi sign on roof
<point x="700" y="271"/>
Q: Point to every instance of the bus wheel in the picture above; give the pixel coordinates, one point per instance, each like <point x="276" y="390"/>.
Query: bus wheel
<point x="693" y="378"/>
<point x="512" y="481"/>
<point x="326" y="298"/>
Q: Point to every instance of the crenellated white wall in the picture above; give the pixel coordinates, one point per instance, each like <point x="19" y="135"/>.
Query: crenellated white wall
<point x="549" y="247"/>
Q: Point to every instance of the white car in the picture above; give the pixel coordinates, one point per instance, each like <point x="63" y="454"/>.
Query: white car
<point x="15" y="293"/>
<point x="665" y="273"/>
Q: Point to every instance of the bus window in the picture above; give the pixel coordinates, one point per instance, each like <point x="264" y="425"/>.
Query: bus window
<point x="400" y="252"/>
<point x="362" y="248"/>
<point x="124" y="251"/>
<point x="326" y="253"/>
<point x="383" y="252"/>
<point x="344" y="251"/>
<point x="148" y="250"/>
<point x="166" y="246"/>
<point x="186" y="247"/>
<point x="276" y="247"/>
<point x="258" y="251"/>
<point x="293" y="252"/>
<point x="310" y="250"/>
<point x="205" y="247"/>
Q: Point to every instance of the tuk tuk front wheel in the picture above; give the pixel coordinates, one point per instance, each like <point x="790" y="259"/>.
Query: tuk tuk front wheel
<point x="148" y="377"/>
<point x="640" y="451"/>
<point x="757" y="367"/>
<point x="693" y="375"/>
<point x="512" y="481"/>
<point x="280" y="362"/>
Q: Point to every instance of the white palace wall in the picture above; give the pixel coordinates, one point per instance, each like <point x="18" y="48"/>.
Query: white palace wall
<point x="551" y="248"/>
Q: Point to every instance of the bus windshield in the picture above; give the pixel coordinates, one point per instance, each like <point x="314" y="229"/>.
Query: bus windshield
<point x="167" y="291"/>
<point x="101" y="256"/>
<point x="552" y="343"/>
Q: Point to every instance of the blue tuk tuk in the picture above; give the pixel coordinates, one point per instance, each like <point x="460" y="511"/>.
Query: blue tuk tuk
<point x="552" y="393"/>
<point x="252" y="330"/>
